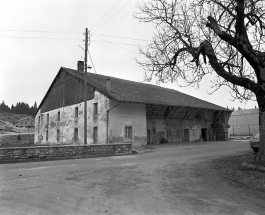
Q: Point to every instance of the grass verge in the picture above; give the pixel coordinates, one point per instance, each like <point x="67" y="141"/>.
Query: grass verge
<point x="230" y="169"/>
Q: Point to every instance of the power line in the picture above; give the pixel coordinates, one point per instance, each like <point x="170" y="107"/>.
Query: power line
<point x="128" y="38"/>
<point x="94" y="68"/>
<point x="46" y="38"/>
<point x="115" y="13"/>
<point x="113" y="50"/>
<point x="127" y="44"/>
<point x="101" y="35"/>
<point x="106" y="14"/>
<point x="58" y="32"/>
<point x="38" y="44"/>
<point x="117" y="45"/>
<point x="119" y="20"/>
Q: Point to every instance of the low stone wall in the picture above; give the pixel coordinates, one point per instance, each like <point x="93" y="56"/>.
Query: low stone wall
<point x="16" y="154"/>
<point x="19" y="139"/>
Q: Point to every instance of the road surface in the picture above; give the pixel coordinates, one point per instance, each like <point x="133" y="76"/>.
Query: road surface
<point x="162" y="180"/>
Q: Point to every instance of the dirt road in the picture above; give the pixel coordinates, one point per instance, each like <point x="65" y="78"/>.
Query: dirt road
<point x="168" y="179"/>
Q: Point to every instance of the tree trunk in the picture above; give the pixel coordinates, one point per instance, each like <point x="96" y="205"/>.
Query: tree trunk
<point x="261" y="104"/>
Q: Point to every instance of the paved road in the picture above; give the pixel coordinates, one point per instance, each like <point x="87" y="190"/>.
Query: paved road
<point x="161" y="180"/>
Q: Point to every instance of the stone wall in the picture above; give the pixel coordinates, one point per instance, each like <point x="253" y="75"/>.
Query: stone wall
<point x="53" y="131"/>
<point x="16" y="154"/>
<point x="16" y="139"/>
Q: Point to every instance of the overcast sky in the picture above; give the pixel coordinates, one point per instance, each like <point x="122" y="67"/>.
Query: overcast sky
<point x="37" y="37"/>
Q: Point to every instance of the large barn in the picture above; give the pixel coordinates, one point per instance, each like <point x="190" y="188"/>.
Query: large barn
<point x="121" y="111"/>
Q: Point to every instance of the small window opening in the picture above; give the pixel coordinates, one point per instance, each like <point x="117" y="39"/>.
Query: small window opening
<point x="76" y="134"/>
<point x="95" y="134"/>
<point x="76" y="112"/>
<point x="58" y="135"/>
<point x="96" y="108"/>
<point x="47" y="135"/>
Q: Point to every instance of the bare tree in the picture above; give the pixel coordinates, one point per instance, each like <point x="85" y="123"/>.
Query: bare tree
<point x="228" y="36"/>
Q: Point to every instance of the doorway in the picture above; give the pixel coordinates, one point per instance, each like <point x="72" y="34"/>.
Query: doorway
<point x="204" y="134"/>
<point x="186" y="135"/>
<point x="148" y="137"/>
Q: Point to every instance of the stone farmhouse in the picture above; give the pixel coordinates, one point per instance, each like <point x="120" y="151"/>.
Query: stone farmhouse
<point x="122" y="111"/>
<point x="26" y="122"/>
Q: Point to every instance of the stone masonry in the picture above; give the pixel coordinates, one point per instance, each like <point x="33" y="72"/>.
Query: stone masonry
<point x="13" y="139"/>
<point x="16" y="154"/>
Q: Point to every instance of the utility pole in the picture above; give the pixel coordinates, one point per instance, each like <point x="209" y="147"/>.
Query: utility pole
<point x="85" y="90"/>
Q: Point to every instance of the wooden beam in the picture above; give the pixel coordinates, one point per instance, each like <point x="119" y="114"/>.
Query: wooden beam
<point x="190" y="113"/>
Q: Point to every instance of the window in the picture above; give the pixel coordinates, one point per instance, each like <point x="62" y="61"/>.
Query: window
<point x="48" y="119"/>
<point x="128" y="132"/>
<point x="76" y="134"/>
<point x="76" y="112"/>
<point x="58" y="135"/>
<point x="58" y="116"/>
<point x="47" y="135"/>
<point x="39" y="124"/>
<point x="95" y="134"/>
<point x="95" y="108"/>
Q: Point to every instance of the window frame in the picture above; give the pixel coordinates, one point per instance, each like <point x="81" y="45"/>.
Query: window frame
<point x="128" y="132"/>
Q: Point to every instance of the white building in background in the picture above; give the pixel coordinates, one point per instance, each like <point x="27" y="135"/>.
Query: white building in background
<point x="244" y="122"/>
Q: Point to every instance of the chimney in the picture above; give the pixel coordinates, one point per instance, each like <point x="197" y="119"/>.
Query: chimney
<point x="80" y="66"/>
<point x="108" y="85"/>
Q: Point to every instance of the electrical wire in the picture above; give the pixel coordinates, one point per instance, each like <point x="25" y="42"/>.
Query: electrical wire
<point x="114" y="14"/>
<point x="106" y="14"/>
<point x="94" y="68"/>
<point x="29" y="31"/>
<point x="117" y="45"/>
<point x="119" y="20"/>
<point x="126" y="44"/>
<point x="112" y="50"/>
<point x="128" y="38"/>
<point x="45" y="38"/>
<point x="66" y="32"/>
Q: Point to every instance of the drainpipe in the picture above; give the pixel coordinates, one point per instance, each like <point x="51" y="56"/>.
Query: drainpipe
<point x="107" y="131"/>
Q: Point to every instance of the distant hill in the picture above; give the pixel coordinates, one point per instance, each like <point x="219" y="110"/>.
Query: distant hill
<point x="12" y="118"/>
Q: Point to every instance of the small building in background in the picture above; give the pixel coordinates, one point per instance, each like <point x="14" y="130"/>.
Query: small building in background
<point x="244" y="122"/>
<point x="26" y="122"/>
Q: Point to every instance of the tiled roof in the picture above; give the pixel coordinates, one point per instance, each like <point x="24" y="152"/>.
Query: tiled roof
<point x="130" y="91"/>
